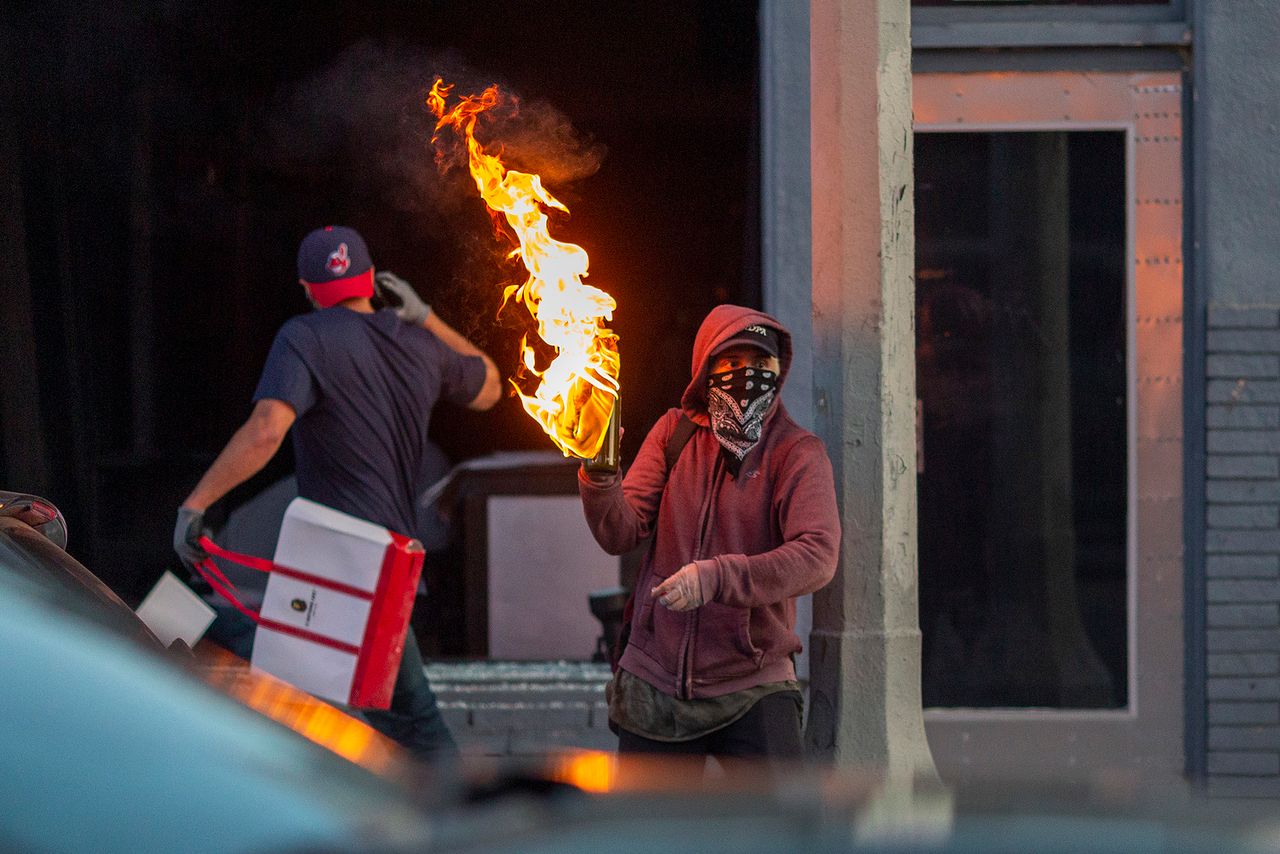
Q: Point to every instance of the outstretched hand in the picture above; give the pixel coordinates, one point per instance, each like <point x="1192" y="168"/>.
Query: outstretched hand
<point x="681" y="591"/>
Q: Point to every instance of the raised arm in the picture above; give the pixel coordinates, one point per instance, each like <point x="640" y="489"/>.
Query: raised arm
<point x="622" y="511"/>
<point x="411" y="308"/>
<point x="491" y="391"/>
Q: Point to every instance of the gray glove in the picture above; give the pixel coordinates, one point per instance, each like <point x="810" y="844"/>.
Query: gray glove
<point x="400" y="295"/>
<point x="186" y="536"/>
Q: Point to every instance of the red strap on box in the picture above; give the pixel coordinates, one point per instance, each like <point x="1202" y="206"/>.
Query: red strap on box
<point x="223" y="587"/>
<point x="261" y="564"/>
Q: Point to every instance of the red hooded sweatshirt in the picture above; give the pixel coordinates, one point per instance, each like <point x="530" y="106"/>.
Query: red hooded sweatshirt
<point x="760" y="539"/>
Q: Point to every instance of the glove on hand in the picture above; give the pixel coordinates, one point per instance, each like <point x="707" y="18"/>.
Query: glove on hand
<point x="186" y="536"/>
<point x="401" y="296"/>
<point x="681" y="591"/>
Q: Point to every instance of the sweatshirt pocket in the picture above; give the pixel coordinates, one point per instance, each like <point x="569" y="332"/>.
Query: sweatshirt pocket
<point x="723" y="647"/>
<point x="642" y="625"/>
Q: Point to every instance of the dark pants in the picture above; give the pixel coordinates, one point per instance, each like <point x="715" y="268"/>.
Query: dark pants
<point x="769" y="730"/>
<point x="414" y="719"/>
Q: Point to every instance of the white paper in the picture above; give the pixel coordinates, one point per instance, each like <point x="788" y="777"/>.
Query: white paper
<point x="172" y="611"/>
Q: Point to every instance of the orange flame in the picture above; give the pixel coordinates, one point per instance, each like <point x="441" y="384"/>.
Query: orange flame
<point x="589" y="770"/>
<point x="313" y="719"/>
<point x="577" y="390"/>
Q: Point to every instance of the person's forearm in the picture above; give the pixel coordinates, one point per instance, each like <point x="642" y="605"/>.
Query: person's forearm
<point x="492" y="389"/>
<point x="809" y="523"/>
<point x="622" y="511"/>
<point x="453" y="339"/>
<point x="244" y="456"/>
<point x="613" y="522"/>
<point x="795" y="568"/>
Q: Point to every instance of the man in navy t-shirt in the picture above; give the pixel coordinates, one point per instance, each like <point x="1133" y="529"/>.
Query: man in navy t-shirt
<point x="357" y="387"/>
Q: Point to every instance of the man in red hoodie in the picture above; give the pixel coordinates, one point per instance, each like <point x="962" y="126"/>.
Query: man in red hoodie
<point x="744" y="522"/>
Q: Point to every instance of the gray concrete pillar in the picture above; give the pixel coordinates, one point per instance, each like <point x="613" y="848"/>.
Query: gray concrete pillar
<point x="785" y="210"/>
<point x="865" y="645"/>
<point x="787" y="246"/>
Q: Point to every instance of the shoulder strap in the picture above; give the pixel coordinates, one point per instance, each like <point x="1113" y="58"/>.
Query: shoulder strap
<point x="680" y="437"/>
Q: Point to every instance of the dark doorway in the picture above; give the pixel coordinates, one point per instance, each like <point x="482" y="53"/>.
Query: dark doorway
<point x="1022" y="376"/>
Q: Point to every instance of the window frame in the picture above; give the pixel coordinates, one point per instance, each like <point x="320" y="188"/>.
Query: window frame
<point x="1132" y="563"/>
<point x="1051" y="26"/>
<point x="1147" y="106"/>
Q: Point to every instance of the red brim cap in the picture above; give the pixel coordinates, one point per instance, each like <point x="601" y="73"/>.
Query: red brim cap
<point x="331" y="293"/>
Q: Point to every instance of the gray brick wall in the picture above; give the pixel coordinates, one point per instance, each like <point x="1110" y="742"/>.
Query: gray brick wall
<point x="497" y="708"/>
<point x="1243" y="544"/>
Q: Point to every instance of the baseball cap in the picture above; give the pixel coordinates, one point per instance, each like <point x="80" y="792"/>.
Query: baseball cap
<point x="757" y="335"/>
<point x="334" y="264"/>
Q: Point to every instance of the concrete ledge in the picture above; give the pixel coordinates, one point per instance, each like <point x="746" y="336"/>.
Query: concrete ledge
<point x="506" y="708"/>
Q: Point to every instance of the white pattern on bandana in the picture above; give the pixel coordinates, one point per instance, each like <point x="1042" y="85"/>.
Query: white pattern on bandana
<point x="737" y="407"/>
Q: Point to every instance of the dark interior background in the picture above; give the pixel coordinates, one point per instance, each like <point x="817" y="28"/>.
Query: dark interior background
<point x="161" y="160"/>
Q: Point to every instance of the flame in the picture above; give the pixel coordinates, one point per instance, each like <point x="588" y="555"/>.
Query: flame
<point x="589" y="770"/>
<point x="577" y="390"/>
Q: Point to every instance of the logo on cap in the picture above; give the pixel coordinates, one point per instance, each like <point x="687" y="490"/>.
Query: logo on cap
<point x="757" y="329"/>
<point x="338" y="261"/>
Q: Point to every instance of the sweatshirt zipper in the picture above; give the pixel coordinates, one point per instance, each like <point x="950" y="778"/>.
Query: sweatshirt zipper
<point x="685" y="672"/>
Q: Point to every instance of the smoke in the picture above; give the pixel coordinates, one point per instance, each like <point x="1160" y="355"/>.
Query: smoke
<point x="367" y="111"/>
<point x="533" y="136"/>
<point x="357" y="136"/>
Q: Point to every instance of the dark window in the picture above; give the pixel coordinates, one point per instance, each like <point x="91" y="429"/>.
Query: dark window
<point x="1022" y="378"/>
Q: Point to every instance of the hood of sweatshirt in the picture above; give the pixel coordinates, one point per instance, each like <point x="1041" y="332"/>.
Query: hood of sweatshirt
<point x="720" y="325"/>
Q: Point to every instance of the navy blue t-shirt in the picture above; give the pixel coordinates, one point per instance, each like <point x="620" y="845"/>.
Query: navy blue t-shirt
<point x="363" y="386"/>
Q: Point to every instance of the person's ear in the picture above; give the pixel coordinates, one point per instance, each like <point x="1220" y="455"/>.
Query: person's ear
<point x="307" y="290"/>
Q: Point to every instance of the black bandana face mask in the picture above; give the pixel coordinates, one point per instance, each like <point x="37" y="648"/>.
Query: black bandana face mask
<point x="737" y="401"/>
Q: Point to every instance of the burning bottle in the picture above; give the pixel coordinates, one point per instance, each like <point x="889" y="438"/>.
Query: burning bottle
<point x="575" y="401"/>
<point x="609" y="458"/>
